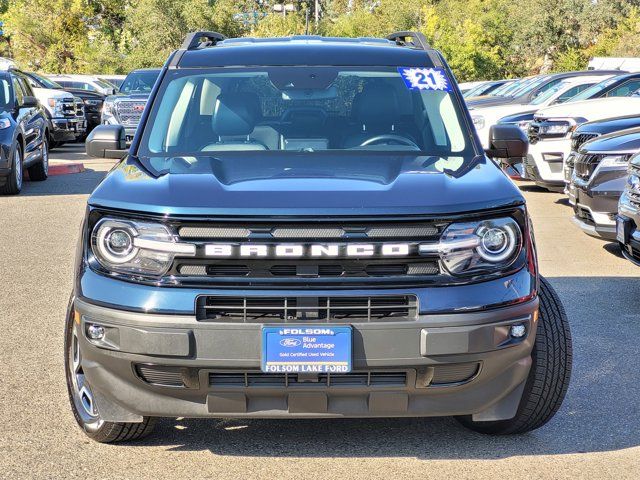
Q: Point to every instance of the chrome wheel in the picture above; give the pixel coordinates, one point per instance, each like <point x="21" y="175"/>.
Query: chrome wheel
<point x="80" y="389"/>
<point x="18" y="167"/>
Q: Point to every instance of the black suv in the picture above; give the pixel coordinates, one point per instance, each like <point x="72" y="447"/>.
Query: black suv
<point x="308" y="227"/>
<point x="588" y="131"/>
<point x="23" y="133"/>
<point x="598" y="179"/>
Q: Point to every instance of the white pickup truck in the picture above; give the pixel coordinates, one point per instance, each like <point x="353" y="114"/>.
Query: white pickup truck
<point x="550" y="135"/>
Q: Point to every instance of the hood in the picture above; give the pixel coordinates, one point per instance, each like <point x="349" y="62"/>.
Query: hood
<point x="50" y="93"/>
<point x="498" y="111"/>
<point x="78" y="92"/>
<point x="255" y="185"/>
<point x="132" y="96"/>
<point x="594" y="109"/>
<point x="609" y="125"/>
<point x="626" y="141"/>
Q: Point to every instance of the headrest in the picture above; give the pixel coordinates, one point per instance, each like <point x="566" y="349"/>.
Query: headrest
<point x="236" y="114"/>
<point x="376" y="104"/>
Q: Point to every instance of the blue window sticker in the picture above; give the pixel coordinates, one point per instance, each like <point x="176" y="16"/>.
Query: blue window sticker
<point x="423" y="78"/>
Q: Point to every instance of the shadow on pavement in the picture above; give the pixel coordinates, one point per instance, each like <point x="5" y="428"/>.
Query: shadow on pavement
<point x="600" y="413"/>
<point x="72" y="184"/>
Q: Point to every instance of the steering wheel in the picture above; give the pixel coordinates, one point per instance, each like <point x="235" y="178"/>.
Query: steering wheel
<point x="389" y="138"/>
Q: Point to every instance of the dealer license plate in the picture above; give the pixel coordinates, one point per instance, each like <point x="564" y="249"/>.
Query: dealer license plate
<point x="622" y="229"/>
<point x="306" y="349"/>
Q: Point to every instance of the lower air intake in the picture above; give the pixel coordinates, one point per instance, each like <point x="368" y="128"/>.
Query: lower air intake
<point x="312" y="309"/>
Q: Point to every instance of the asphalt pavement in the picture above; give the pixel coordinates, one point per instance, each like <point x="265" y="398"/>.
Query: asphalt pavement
<point x="595" y="435"/>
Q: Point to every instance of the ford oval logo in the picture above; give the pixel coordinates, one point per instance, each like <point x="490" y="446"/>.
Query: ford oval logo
<point x="290" y="342"/>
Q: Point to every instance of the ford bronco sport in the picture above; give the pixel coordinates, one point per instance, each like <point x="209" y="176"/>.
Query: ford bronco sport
<point x="308" y="227"/>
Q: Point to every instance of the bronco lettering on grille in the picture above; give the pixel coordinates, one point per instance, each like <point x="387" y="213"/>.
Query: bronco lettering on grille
<point x="310" y="250"/>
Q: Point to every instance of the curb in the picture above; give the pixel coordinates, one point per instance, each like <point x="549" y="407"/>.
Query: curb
<point x="61" y="169"/>
<point x="65" y="168"/>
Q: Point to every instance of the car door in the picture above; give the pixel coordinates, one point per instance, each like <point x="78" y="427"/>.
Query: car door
<point x="29" y="118"/>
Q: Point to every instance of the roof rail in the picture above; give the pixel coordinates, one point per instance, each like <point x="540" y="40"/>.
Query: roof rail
<point x="196" y="40"/>
<point x="413" y="39"/>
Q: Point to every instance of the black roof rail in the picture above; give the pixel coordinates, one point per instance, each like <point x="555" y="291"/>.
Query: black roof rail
<point x="195" y="40"/>
<point x="414" y="39"/>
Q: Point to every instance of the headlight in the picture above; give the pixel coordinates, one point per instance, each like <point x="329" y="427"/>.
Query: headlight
<point x="4" y="123"/>
<point x="521" y="124"/>
<point x="555" y="128"/>
<point x="479" y="247"/>
<point x="92" y="102"/>
<point x="108" y="107"/>
<point x="633" y="184"/>
<point x="137" y="248"/>
<point x="478" y="121"/>
<point x="614" y="161"/>
<point x="56" y="106"/>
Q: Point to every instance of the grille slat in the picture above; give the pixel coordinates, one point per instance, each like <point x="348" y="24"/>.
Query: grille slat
<point x="354" y="379"/>
<point x="585" y="165"/>
<point x="578" y="139"/>
<point x="297" y="309"/>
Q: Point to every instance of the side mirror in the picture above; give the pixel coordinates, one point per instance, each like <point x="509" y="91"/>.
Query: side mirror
<point x="29" y="102"/>
<point x="507" y="141"/>
<point x="107" y="141"/>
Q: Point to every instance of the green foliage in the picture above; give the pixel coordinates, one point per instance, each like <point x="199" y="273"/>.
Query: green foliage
<point x="481" y="39"/>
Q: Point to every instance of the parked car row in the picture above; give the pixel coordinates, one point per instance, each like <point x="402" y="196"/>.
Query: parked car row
<point x="584" y="139"/>
<point x="39" y="112"/>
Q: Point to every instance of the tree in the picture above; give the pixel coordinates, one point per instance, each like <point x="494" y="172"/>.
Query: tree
<point x="49" y="35"/>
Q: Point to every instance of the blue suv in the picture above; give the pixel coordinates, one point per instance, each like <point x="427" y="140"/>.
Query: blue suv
<point x="308" y="227"/>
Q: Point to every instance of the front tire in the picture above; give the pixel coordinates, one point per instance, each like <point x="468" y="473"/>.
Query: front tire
<point x="13" y="183"/>
<point x="40" y="171"/>
<point x="549" y="376"/>
<point x="82" y="401"/>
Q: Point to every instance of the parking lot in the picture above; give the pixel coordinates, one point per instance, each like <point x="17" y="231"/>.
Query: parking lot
<point x="596" y="433"/>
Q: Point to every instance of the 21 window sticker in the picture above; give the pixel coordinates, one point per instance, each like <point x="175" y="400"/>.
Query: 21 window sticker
<point x="419" y="78"/>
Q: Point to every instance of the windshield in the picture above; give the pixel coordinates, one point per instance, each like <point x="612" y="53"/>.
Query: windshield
<point x="43" y="81"/>
<point x="508" y="88"/>
<point x="594" y="90"/>
<point x="139" y="82"/>
<point x="104" y="84"/>
<point x="549" y="93"/>
<point x="303" y="109"/>
<point x="529" y="86"/>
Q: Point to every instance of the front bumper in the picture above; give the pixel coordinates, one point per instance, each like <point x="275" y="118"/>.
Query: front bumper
<point x="545" y="162"/>
<point x="483" y="368"/>
<point x="67" y="129"/>
<point x="595" y="202"/>
<point x="629" y="240"/>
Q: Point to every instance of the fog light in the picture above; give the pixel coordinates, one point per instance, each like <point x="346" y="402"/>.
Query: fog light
<point x="96" y="332"/>
<point x="518" y="331"/>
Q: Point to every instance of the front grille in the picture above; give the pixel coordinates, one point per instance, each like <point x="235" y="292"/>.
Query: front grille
<point x="189" y="377"/>
<point x="79" y="108"/>
<point x="533" y="133"/>
<point x="261" y="309"/>
<point x="325" y="268"/>
<point x="577" y="139"/>
<point x="585" y="164"/>
<point x="323" y="380"/>
<point x="129" y="112"/>
<point x="68" y="108"/>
